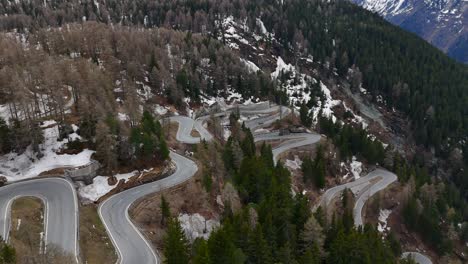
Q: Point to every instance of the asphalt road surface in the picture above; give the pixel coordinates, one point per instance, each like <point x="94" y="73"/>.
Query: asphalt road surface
<point x="418" y="257"/>
<point x="364" y="188"/>
<point x="131" y="245"/>
<point x="61" y="210"/>
<point x="61" y="207"/>
<point x="291" y="141"/>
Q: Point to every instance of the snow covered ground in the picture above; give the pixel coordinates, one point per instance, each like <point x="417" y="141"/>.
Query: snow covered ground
<point x="356" y="118"/>
<point x="383" y="217"/>
<point x="297" y="85"/>
<point x="196" y="226"/>
<point x="100" y="187"/>
<point x="250" y="66"/>
<point x="160" y="110"/>
<point x="27" y="165"/>
<point x="4" y="113"/>
<point x="356" y="168"/>
<point x="294" y="164"/>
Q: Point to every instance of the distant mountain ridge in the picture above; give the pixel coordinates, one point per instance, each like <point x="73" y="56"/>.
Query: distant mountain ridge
<point x="443" y="23"/>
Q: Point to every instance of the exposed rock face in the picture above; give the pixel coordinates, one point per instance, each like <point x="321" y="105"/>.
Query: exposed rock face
<point x="443" y="23"/>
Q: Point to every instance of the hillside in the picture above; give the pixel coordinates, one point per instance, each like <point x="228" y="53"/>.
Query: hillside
<point x="407" y="72"/>
<point x="173" y="99"/>
<point x="441" y="23"/>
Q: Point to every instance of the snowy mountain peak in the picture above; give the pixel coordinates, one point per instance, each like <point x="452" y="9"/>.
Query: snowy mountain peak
<point x="385" y="7"/>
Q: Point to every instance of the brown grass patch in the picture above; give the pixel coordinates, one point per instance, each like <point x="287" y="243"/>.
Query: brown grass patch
<point x="27" y="224"/>
<point x="95" y="245"/>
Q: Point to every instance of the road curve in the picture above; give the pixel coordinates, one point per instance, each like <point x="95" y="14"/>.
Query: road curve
<point x="131" y="245"/>
<point x="61" y="210"/>
<point x="418" y="257"/>
<point x="186" y="125"/>
<point x="385" y="178"/>
<point x="366" y="187"/>
<point x="292" y="141"/>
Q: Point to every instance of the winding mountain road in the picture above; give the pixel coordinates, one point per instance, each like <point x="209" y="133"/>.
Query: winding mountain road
<point x="61" y="206"/>
<point x="131" y="245"/>
<point x="364" y="188"/>
<point x="61" y="210"/>
<point x="418" y="257"/>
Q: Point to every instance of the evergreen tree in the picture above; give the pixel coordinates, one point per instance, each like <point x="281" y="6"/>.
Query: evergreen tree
<point x="267" y="155"/>
<point x="176" y="247"/>
<point x="228" y="155"/>
<point x="201" y="253"/>
<point x="165" y="210"/>
<point x="248" y="144"/>
<point x="5" y="137"/>
<point x="7" y="254"/>
<point x="305" y="116"/>
<point x="319" y="168"/>
<point x="259" y="250"/>
<point x="163" y="149"/>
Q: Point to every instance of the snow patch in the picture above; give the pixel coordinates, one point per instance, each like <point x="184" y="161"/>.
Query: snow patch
<point x="100" y="186"/>
<point x="5" y="113"/>
<point x="326" y="106"/>
<point x="356" y="168"/>
<point x="122" y="117"/>
<point x="160" y="110"/>
<point x="383" y="217"/>
<point x="356" y="118"/>
<point x="27" y="165"/>
<point x="250" y="66"/>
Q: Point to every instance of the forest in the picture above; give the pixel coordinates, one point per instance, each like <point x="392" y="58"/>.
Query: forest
<point x="100" y="74"/>
<point x="275" y="226"/>
<point x="410" y="74"/>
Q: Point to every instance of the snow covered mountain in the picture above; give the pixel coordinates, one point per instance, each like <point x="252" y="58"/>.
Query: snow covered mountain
<point x="444" y="23"/>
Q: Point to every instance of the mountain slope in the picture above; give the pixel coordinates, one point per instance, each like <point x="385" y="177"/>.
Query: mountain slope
<point x="401" y="69"/>
<point x="440" y="22"/>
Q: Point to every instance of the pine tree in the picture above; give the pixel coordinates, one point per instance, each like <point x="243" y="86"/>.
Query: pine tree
<point x="307" y="170"/>
<point x="248" y="144"/>
<point x="201" y="253"/>
<point x="165" y="210"/>
<point x="163" y="149"/>
<point x="259" y="250"/>
<point x="304" y="114"/>
<point x="228" y="155"/>
<point x="176" y="246"/>
<point x="5" y="140"/>
<point x="267" y="155"/>
<point x="7" y="254"/>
